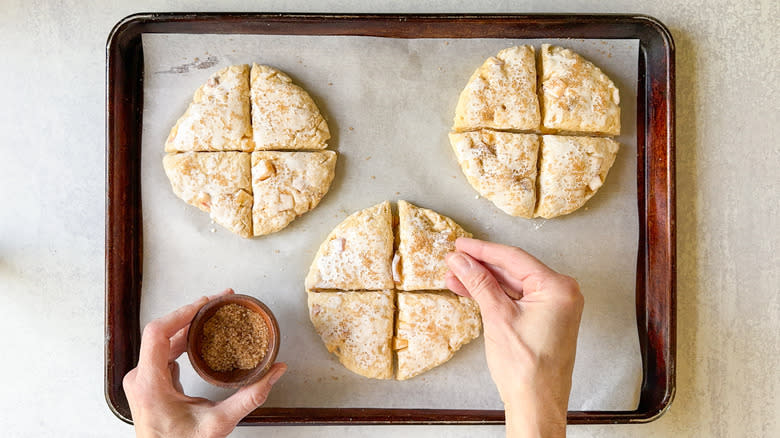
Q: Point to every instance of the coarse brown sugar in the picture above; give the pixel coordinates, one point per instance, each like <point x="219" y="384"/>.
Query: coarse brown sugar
<point x="234" y="337"/>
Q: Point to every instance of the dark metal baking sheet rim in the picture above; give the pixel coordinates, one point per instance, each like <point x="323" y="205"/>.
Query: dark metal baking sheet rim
<point x="656" y="265"/>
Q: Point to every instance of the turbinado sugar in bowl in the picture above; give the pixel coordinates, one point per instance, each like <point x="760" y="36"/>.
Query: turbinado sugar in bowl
<point x="234" y="337"/>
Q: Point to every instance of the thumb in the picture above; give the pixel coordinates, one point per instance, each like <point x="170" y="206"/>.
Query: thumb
<point x="482" y="286"/>
<point x="249" y="398"/>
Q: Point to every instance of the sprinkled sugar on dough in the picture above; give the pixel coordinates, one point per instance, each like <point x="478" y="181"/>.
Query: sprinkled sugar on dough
<point x="357" y="254"/>
<point x="501" y="166"/>
<point x="217" y="183"/>
<point x="358" y="328"/>
<point x="425" y="238"/>
<point x="431" y="327"/>
<point x="218" y="118"/>
<point x="577" y="100"/>
<point x="571" y="170"/>
<point x="287" y="185"/>
<point x="284" y="116"/>
<point x="577" y="97"/>
<point x="501" y="94"/>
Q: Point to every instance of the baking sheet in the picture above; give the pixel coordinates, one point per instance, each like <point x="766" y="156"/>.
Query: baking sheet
<point x="389" y="105"/>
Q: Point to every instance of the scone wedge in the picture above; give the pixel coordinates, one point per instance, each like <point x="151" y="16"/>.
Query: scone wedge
<point x="501" y="166"/>
<point x="357" y="254"/>
<point x="284" y="116"/>
<point x="571" y="170"/>
<point x="218" y="118"/>
<point x="424" y="239"/>
<point x="287" y="185"/>
<point x="501" y="94"/>
<point x="216" y="182"/>
<point x="358" y="328"/>
<point x="430" y="328"/>
<point x="577" y="97"/>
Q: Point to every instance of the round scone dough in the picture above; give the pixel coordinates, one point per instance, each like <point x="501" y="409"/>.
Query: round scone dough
<point x="353" y="307"/>
<point x="241" y="111"/>
<point x="501" y="157"/>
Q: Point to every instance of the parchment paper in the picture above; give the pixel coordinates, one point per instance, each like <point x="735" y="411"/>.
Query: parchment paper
<point x="389" y="104"/>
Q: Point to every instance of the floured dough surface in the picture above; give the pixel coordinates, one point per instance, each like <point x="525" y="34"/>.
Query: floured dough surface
<point x="216" y="182"/>
<point x="577" y="97"/>
<point x="357" y="254"/>
<point x="571" y="170"/>
<point x="287" y="185"/>
<point x="358" y="328"/>
<point x="425" y="238"/>
<point x="431" y="327"/>
<point x="501" y="94"/>
<point x="218" y="119"/>
<point x="501" y="166"/>
<point x="284" y="116"/>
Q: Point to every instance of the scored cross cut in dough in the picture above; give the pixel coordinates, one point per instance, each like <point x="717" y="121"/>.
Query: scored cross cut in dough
<point x="287" y="185"/>
<point x="501" y="94"/>
<point x="576" y="96"/>
<point x="571" y="170"/>
<point x="284" y="116"/>
<point x="357" y="254"/>
<point x="501" y="166"/>
<point x="358" y="328"/>
<point x="424" y="239"/>
<point x="431" y="327"/>
<point x="218" y="119"/>
<point x="216" y="182"/>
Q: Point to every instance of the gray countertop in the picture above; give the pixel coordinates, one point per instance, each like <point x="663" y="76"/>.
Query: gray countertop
<point x="52" y="217"/>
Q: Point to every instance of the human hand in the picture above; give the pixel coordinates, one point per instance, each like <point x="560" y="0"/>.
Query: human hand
<point x="531" y="317"/>
<point x="158" y="404"/>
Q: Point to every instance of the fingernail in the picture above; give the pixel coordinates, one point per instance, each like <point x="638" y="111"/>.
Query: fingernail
<point x="458" y="262"/>
<point x="276" y="375"/>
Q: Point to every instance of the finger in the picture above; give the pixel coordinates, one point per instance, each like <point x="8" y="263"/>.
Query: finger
<point x="227" y="291"/>
<point x="155" y="342"/>
<point x="249" y="398"/>
<point x="175" y="376"/>
<point x="514" y="260"/>
<point x="453" y="284"/>
<point x="482" y="286"/>
<point x="511" y="284"/>
<point x="178" y="343"/>
<point x="504" y="277"/>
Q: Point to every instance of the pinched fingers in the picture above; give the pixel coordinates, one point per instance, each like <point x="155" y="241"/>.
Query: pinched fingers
<point x="482" y="286"/>
<point x="453" y="284"/>
<point x="516" y="262"/>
